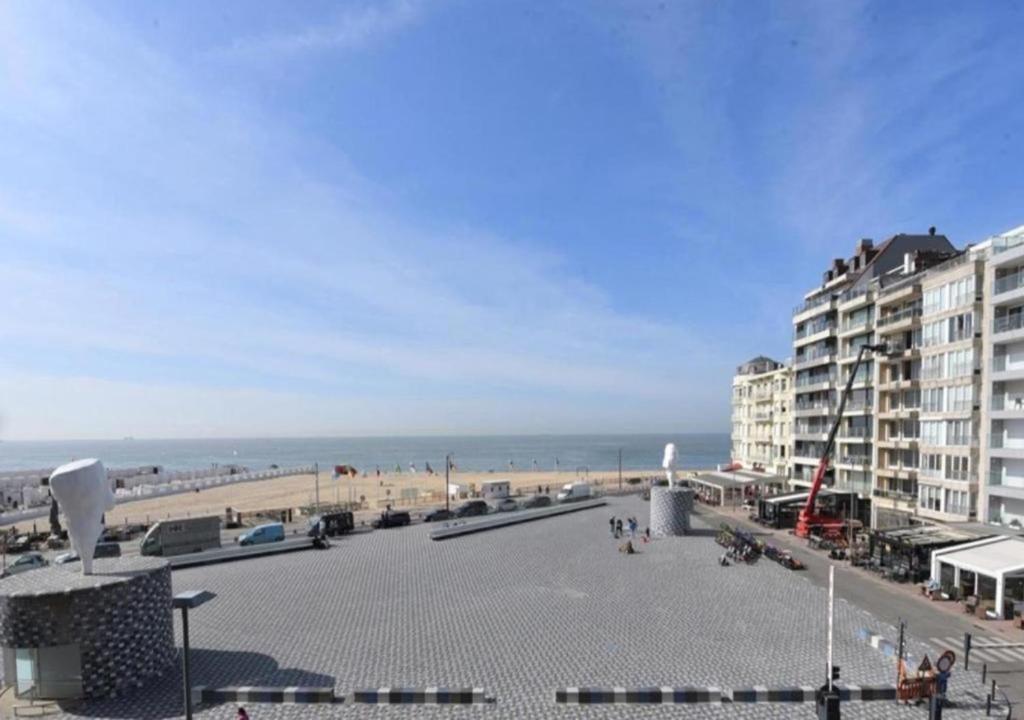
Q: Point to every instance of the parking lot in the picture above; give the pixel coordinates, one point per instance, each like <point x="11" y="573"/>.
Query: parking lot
<point x="521" y="612"/>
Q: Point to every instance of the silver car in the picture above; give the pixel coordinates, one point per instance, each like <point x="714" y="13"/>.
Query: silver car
<point x="506" y="505"/>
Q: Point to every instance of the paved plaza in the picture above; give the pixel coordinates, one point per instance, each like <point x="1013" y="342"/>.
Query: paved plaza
<point x="519" y="611"/>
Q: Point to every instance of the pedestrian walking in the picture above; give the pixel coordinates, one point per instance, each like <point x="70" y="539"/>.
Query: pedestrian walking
<point x="618" y="528"/>
<point x="242" y="714"/>
<point x="612" y="524"/>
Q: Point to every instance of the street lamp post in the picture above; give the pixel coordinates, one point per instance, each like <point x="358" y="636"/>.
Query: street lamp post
<point x="447" y="486"/>
<point x="186" y="601"/>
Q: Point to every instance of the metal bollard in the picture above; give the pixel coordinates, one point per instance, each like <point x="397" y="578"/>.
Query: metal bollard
<point x="967" y="650"/>
<point x="935" y="703"/>
<point x="993" y="693"/>
<point x="984" y="672"/>
<point x="988" y="705"/>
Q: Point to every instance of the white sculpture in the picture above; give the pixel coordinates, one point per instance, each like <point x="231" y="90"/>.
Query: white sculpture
<point x="83" y="494"/>
<point x="669" y="463"/>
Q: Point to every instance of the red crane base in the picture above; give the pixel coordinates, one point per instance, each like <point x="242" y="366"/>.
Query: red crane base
<point x="830" y="527"/>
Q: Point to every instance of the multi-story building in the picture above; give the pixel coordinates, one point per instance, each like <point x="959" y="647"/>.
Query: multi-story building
<point x="1001" y="497"/>
<point x="834" y="321"/>
<point x="762" y="392"/>
<point x="897" y="399"/>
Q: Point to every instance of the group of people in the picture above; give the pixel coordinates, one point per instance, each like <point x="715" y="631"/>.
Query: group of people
<point x="631" y="526"/>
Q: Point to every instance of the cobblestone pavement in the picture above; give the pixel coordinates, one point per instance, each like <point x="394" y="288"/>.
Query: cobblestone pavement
<point x="519" y="611"/>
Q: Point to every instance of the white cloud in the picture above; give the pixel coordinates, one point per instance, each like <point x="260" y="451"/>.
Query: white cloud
<point x="353" y="28"/>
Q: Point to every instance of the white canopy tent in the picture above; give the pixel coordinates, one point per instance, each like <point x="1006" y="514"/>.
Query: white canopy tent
<point x="1001" y="559"/>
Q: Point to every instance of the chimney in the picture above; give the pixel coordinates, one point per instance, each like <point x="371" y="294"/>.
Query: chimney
<point x="908" y="263"/>
<point x="864" y="245"/>
<point x="931" y="231"/>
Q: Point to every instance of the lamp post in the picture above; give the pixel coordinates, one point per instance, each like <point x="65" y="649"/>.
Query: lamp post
<point x="185" y="601"/>
<point x="447" y="486"/>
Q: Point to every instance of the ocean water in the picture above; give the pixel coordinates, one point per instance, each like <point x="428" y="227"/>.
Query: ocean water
<point x="541" y="452"/>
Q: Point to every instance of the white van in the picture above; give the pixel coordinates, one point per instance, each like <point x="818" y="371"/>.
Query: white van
<point x="574" y="491"/>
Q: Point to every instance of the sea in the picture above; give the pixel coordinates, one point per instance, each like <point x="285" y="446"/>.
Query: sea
<point x="498" y="453"/>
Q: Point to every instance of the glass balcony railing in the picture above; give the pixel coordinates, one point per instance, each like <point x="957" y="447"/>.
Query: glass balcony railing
<point x="1008" y="282"/>
<point x="855" y="459"/>
<point x="1002" y="244"/>
<point x="813" y="303"/>
<point x="1006" y="323"/>
<point x="895" y="317"/>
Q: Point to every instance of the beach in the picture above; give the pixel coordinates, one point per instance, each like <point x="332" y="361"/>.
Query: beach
<point x="297" y="491"/>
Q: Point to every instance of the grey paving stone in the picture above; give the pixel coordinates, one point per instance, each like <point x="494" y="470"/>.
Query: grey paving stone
<point x="519" y="611"/>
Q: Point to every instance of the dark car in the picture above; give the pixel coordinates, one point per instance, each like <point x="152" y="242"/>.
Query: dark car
<point x="537" y="501"/>
<point x="21" y="544"/>
<point x="392" y="519"/>
<point x="438" y="515"/>
<point x="471" y="508"/>
<point x="331" y="524"/>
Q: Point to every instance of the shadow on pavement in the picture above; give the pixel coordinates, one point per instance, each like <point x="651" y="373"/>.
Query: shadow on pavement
<point x="162" y="697"/>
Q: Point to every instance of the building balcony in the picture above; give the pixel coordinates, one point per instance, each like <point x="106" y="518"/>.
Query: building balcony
<point x="1009" y="487"/>
<point x="854" y="298"/>
<point x="898" y="320"/>
<point x="807" y="360"/>
<point x="854" y="461"/>
<point x="858" y="408"/>
<point x="813" y="409"/>
<point x="898" y="443"/>
<point x="1002" y="370"/>
<point x="859" y="433"/>
<point x="852" y="327"/>
<point x="899" y="472"/>
<point x="1007" y="406"/>
<point x="1005" y="324"/>
<point x="811" y="384"/>
<point x="897" y="495"/>
<point x="812" y="307"/>
<point x="899" y="383"/>
<point x="1000" y="446"/>
<point x="810" y="435"/>
<point x="899" y="413"/>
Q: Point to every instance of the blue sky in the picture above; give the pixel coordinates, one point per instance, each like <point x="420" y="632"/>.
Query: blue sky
<point x="405" y="217"/>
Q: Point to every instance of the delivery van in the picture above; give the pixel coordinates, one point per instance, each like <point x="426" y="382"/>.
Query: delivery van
<point x="185" y="535"/>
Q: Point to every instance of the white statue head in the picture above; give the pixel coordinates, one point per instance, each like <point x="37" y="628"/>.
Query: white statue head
<point x="669" y="462"/>
<point x="83" y="494"/>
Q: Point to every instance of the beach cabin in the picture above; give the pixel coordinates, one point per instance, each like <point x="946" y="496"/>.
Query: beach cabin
<point x="495" y="489"/>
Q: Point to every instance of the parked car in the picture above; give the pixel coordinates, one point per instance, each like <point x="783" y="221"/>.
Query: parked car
<point x="331" y="524"/>
<point x="21" y="544"/>
<point x="103" y="550"/>
<point x="574" y="491"/>
<point x="506" y="505"/>
<point x="392" y="519"/>
<point x="270" y="532"/>
<point x="28" y="561"/>
<point x="537" y="501"/>
<point x="440" y="514"/>
<point x="471" y="508"/>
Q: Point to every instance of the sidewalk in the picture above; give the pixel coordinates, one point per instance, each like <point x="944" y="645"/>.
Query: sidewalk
<point x="940" y="624"/>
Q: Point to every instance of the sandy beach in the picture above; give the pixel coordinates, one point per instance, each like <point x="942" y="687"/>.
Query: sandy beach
<point x="300" y="490"/>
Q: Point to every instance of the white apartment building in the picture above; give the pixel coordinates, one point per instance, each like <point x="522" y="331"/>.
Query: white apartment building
<point x="1002" y="458"/>
<point x="762" y="399"/>
<point x="950" y="384"/>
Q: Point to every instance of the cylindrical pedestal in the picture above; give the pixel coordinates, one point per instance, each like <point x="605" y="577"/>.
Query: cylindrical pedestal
<point x="670" y="510"/>
<point x="68" y="635"/>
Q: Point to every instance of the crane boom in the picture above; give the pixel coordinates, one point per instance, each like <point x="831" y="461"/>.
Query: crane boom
<point x="807" y="516"/>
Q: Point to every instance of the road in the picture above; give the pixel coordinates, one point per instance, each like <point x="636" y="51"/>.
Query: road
<point x="940" y="629"/>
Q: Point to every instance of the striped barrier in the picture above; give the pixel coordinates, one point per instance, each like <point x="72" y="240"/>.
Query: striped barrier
<point x="686" y="695"/>
<point x="256" y="694"/>
<point x="422" y="696"/>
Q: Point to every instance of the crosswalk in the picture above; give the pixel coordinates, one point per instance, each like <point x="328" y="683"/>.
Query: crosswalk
<point x="984" y="649"/>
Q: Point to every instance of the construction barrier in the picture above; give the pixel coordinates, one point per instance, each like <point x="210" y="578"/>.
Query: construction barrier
<point x="421" y="696"/>
<point x="687" y="695"/>
<point x="254" y="694"/>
